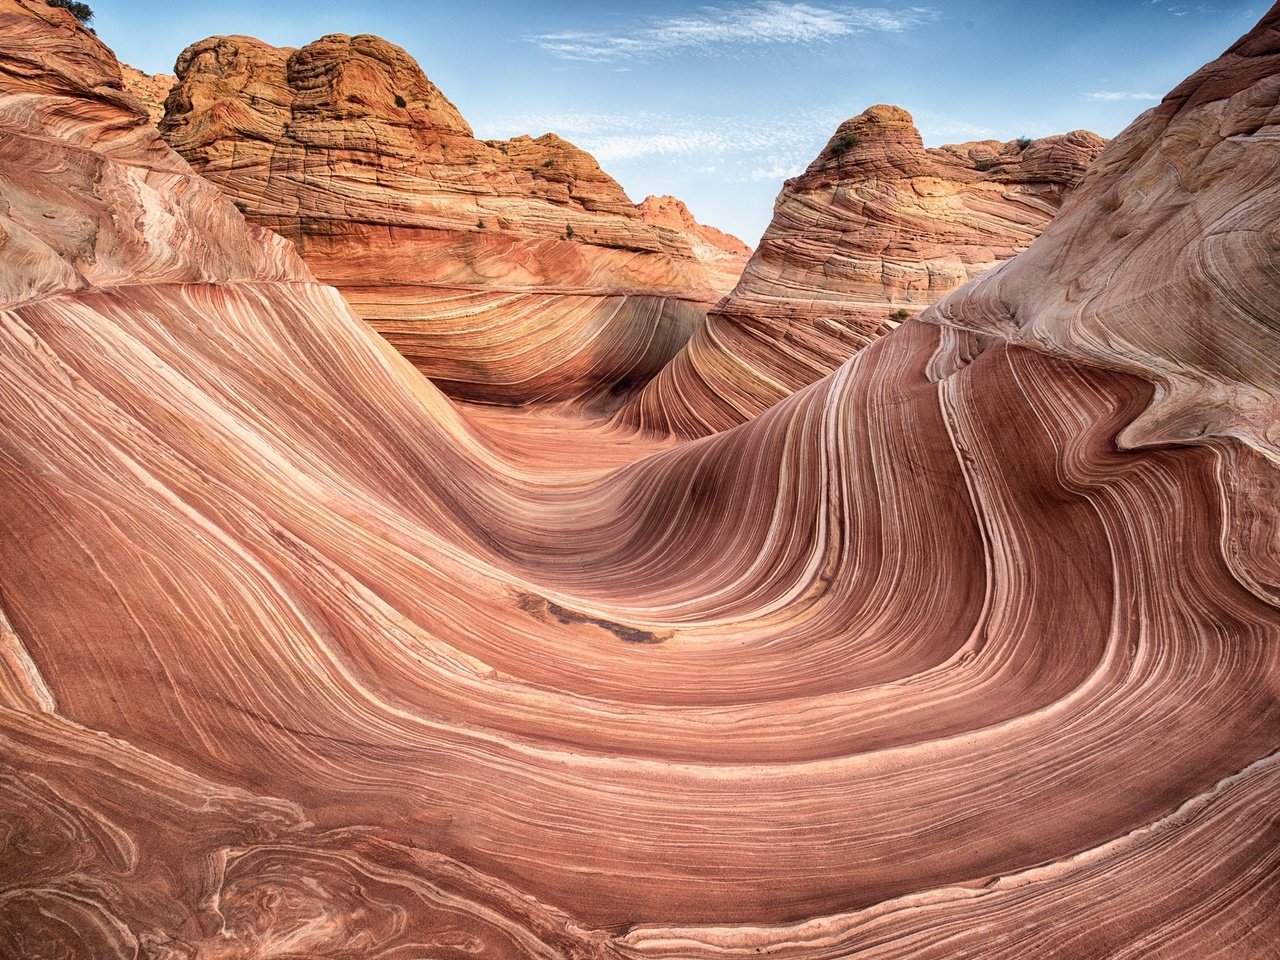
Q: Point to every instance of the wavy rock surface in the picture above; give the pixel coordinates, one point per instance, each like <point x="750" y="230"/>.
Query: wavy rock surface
<point x="969" y="649"/>
<point x="876" y="229"/>
<point x="511" y="271"/>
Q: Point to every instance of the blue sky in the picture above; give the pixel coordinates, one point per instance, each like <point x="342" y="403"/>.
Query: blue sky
<point x="717" y="103"/>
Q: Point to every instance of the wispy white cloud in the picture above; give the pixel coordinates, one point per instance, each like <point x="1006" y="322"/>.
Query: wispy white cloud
<point x="747" y="149"/>
<point x="739" y="148"/>
<point x="934" y="128"/>
<point x="1111" y="96"/>
<point x="762" y="22"/>
<point x="775" y="172"/>
<point x="1181" y="9"/>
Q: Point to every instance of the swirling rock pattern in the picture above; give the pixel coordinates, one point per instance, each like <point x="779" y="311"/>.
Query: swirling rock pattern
<point x="511" y="271"/>
<point x="970" y="649"/>
<point x="876" y="229"/>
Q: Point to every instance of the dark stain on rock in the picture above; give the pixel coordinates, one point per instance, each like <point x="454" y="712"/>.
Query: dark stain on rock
<point x="542" y="609"/>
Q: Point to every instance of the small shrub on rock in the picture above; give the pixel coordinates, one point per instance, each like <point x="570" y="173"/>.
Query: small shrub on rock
<point x="843" y="144"/>
<point x="80" y="11"/>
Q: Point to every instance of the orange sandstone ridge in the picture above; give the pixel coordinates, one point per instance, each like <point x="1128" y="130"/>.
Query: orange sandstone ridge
<point x="509" y="271"/>
<point x="971" y="648"/>
<point x="876" y="229"/>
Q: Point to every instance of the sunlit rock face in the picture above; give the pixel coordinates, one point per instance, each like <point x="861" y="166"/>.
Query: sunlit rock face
<point x="876" y="229"/>
<point x="151" y="89"/>
<point x="971" y="648"/>
<point x="512" y="271"/>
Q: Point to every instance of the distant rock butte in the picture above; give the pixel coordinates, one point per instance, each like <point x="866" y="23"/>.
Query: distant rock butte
<point x="151" y="89"/>
<point x="877" y="228"/>
<point x="723" y="255"/>
<point x="509" y="271"/>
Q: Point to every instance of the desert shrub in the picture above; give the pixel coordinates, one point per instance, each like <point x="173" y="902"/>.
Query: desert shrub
<point x="900" y="315"/>
<point x="568" y="231"/>
<point x="401" y="102"/>
<point x="80" y="11"/>
<point x="987" y="165"/>
<point x="843" y="144"/>
<point x="1023" y="142"/>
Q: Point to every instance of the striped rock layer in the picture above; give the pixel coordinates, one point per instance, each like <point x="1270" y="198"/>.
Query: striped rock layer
<point x="970" y="649"/>
<point x="876" y="229"/>
<point x="509" y="271"/>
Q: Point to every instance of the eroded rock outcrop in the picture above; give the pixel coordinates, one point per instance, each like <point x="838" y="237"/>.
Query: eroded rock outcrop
<point x="876" y="229"/>
<point x="508" y="271"/>
<point x="151" y="89"/>
<point x="971" y="648"/>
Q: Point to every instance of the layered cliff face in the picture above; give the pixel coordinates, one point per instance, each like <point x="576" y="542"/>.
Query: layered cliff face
<point x="508" y="271"/>
<point x="969" y="649"/>
<point x="877" y="228"/>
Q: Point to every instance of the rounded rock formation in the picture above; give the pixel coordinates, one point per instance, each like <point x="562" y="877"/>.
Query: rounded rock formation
<point x="513" y="271"/>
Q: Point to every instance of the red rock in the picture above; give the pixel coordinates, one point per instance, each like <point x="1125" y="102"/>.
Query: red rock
<point x="971" y="648"/>
<point x="150" y="89"/>
<point x="68" y="232"/>
<point x="722" y="255"/>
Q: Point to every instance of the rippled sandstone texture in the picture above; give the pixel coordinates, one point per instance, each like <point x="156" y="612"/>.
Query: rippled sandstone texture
<point x="876" y="229"/>
<point x="509" y="271"/>
<point x="971" y="649"/>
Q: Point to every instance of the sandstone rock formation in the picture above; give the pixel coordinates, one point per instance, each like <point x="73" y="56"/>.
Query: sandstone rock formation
<point x="722" y="255"/>
<point x="151" y="89"/>
<point x="509" y="271"/>
<point x="876" y="229"/>
<point x="969" y="649"/>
